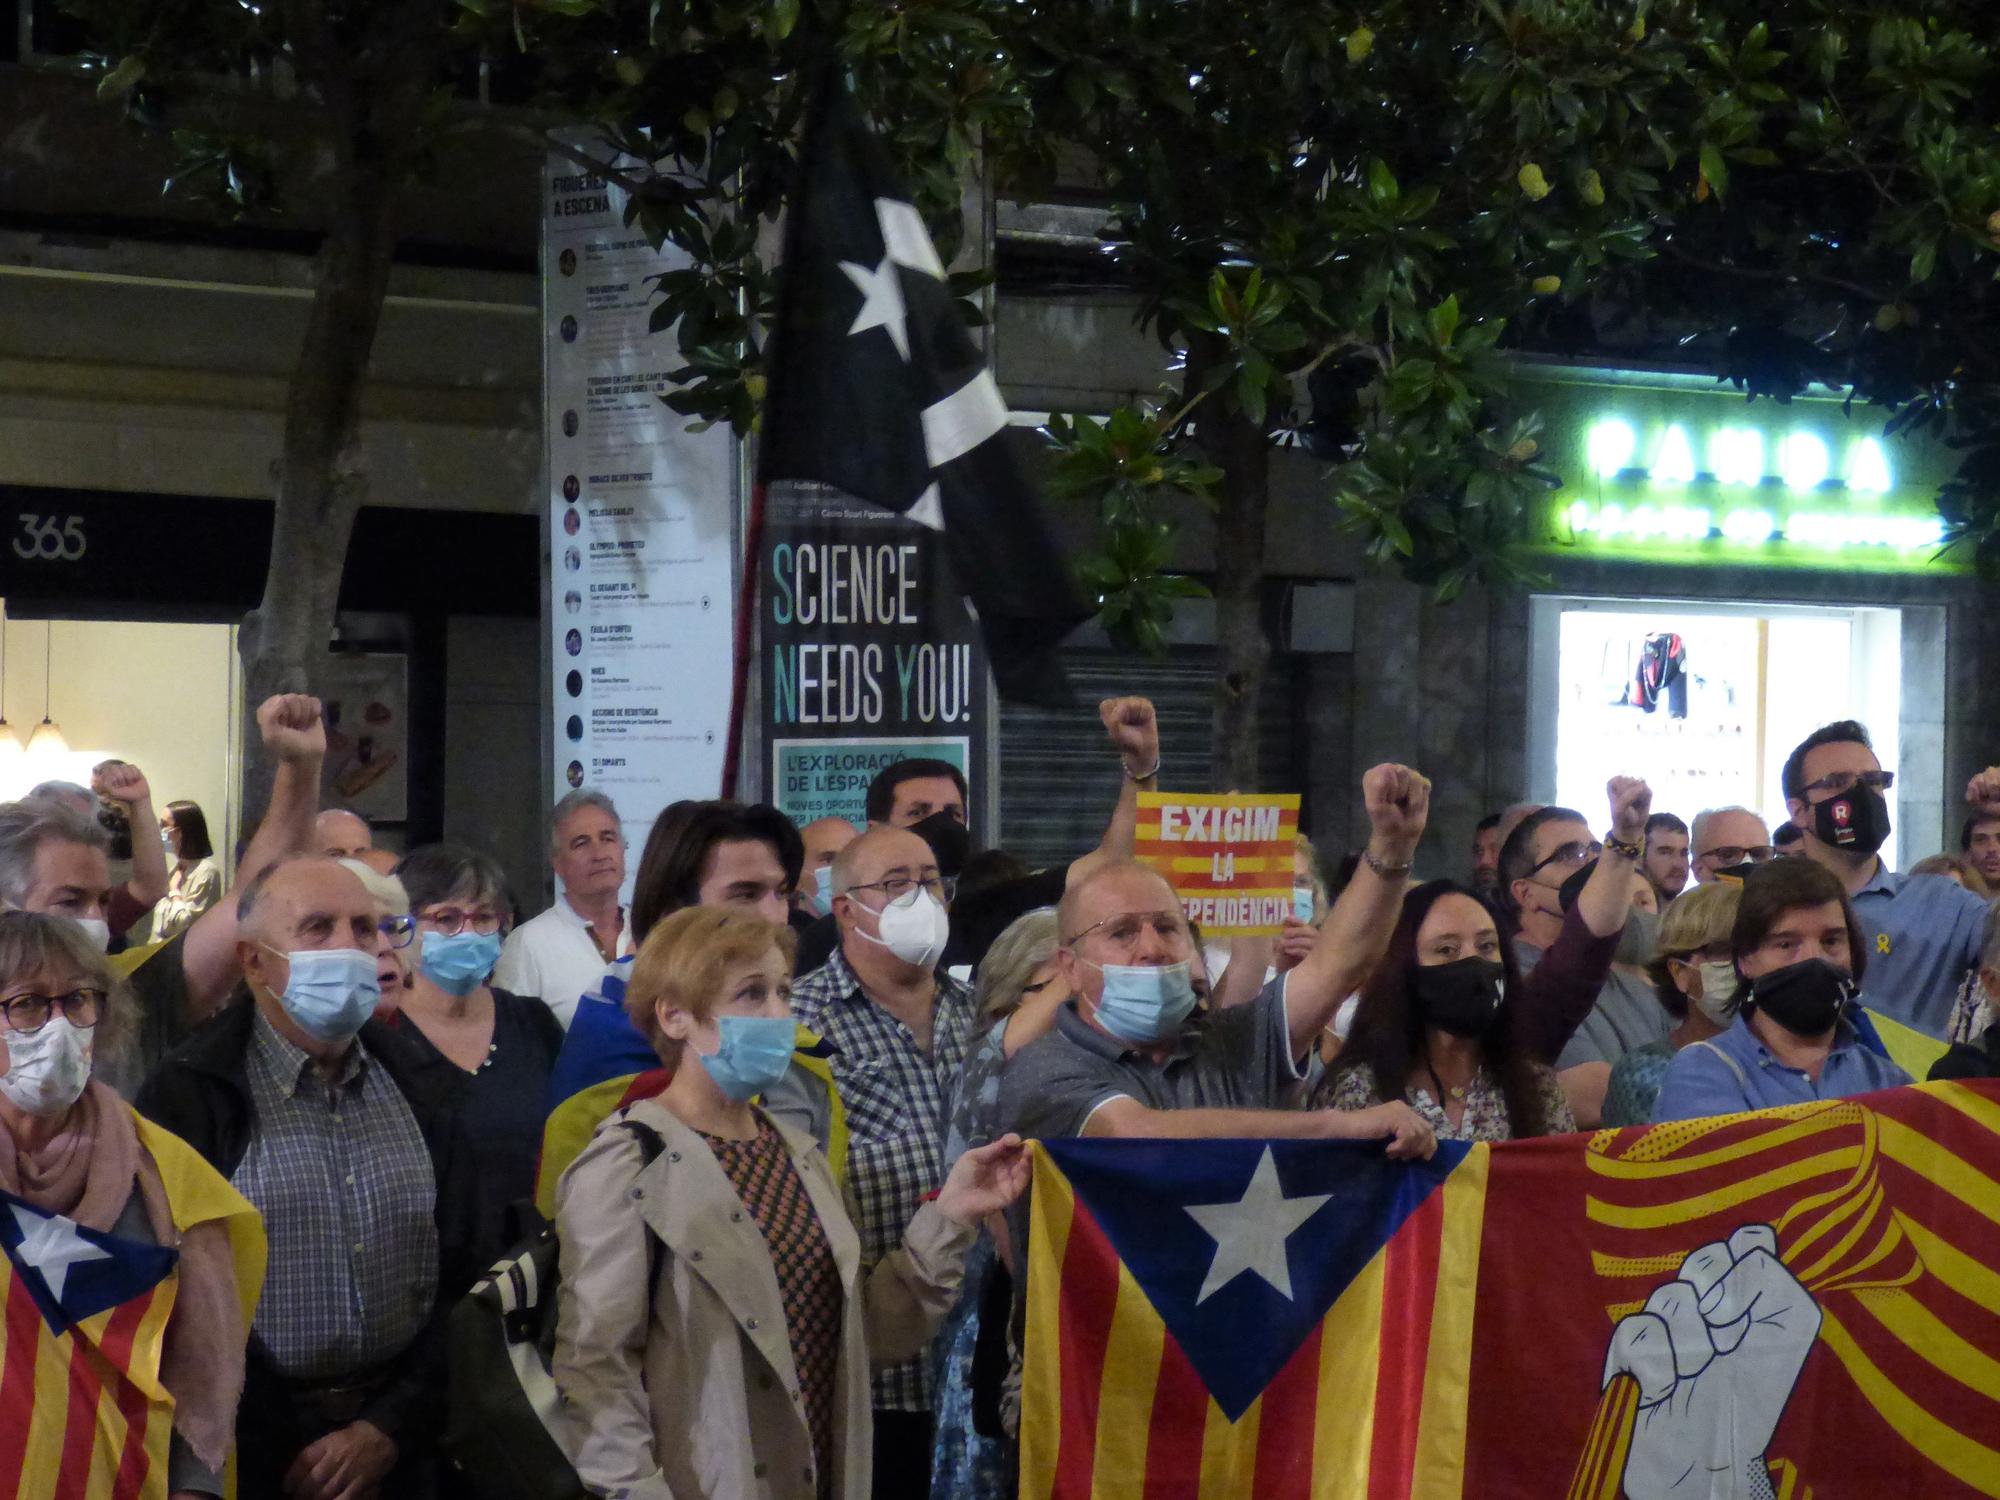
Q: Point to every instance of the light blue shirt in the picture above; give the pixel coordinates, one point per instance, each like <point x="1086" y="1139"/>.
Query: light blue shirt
<point x="1700" y="1082"/>
<point x="1922" y="934"/>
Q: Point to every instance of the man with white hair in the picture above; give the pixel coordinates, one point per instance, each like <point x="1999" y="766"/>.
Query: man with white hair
<point x="345" y="1142"/>
<point x="1728" y="839"/>
<point x="561" y="954"/>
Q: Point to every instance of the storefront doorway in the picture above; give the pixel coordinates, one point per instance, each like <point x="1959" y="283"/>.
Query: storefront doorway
<point x="163" y="696"/>
<point x="1705" y="700"/>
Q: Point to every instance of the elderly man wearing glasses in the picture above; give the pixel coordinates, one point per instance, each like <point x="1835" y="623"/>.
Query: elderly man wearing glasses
<point x="1921" y="932"/>
<point x="1130" y="1055"/>
<point x="1728" y="843"/>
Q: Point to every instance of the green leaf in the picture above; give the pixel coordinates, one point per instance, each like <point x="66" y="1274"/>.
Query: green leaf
<point x="1715" y="169"/>
<point x="784" y="16"/>
<point x="1382" y="185"/>
<point x="1444" y="321"/>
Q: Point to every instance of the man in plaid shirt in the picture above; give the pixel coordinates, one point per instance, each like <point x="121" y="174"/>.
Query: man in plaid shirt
<point x="899" y="1029"/>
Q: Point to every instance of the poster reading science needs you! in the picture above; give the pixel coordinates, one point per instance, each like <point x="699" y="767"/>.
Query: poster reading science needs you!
<point x="869" y="656"/>
<point x="640" y="521"/>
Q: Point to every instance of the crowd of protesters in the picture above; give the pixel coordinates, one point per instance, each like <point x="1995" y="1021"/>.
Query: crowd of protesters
<point x="776" y="1107"/>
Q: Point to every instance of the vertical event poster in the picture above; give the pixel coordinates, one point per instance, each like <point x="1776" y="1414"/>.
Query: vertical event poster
<point x="869" y="653"/>
<point x="1229" y="857"/>
<point x="367" y="735"/>
<point x="641" y="515"/>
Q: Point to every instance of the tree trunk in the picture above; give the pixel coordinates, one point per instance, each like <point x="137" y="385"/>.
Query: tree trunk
<point x="1242" y="450"/>
<point x="376" y="125"/>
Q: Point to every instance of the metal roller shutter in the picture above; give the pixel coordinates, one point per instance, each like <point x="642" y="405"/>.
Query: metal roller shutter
<point x="1058" y="781"/>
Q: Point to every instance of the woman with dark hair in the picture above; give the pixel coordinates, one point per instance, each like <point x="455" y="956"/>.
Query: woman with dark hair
<point x="1793" y="1034"/>
<point x="496" y="1047"/>
<point x="1436" y="1028"/>
<point x="194" y="880"/>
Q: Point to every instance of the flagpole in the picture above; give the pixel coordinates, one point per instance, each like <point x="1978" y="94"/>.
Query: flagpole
<point x="746" y="621"/>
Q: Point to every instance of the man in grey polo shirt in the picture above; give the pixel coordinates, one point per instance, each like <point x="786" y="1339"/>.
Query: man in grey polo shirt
<point x="1129" y="1056"/>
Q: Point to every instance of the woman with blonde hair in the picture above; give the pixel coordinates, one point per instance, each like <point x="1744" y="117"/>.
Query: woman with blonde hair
<point x="1694" y="975"/>
<point x="175" y="1250"/>
<point x="715" y="1326"/>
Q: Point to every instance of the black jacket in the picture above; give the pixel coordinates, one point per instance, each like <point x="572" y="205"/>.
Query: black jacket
<point x="1980" y="1059"/>
<point x="201" y="1092"/>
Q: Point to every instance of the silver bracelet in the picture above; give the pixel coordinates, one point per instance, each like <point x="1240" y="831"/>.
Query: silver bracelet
<point x="1130" y="775"/>
<point x="1383" y="868"/>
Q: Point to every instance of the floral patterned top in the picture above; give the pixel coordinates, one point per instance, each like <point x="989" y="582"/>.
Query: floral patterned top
<point x="1485" y="1116"/>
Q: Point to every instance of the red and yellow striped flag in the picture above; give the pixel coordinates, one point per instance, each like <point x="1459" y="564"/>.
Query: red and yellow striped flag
<point x="1371" y="1402"/>
<point x="83" y="1322"/>
<point x="1809" y="1294"/>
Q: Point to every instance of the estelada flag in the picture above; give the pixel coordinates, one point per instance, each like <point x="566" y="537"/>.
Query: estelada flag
<point x="83" y="1322"/>
<point x="878" y="390"/>
<point x="1799" y="1302"/>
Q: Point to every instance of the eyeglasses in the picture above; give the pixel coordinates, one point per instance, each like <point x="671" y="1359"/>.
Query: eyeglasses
<point x="449" y="921"/>
<point x="28" y="1013"/>
<point x="1727" y="855"/>
<point x="900" y="888"/>
<point x="398" y="932"/>
<point x="1834" y="783"/>
<point x="1124" y="931"/>
<point x="1570" y="856"/>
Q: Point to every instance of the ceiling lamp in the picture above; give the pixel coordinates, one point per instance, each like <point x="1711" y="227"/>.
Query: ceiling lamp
<point x="48" y="736"/>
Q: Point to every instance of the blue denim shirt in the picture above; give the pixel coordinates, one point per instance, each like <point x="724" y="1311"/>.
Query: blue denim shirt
<point x="1922" y="934"/>
<point x="1699" y="1083"/>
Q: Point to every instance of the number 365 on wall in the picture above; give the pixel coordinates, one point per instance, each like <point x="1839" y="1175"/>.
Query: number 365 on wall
<point x="50" y="538"/>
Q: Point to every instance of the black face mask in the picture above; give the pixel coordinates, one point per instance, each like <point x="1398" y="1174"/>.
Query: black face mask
<point x="950" y="841"/>
<point x="1805" y="998"/>
<point x="1858" y="819"/>
<point x="1461" y="997"/>
<point x="1736" y="873"/>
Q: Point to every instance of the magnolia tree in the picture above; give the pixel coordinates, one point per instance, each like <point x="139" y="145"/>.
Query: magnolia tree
<point x="1341" y="219"/>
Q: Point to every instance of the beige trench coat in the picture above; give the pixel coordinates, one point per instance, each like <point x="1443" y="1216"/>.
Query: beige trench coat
<point x="691" y="1393"/>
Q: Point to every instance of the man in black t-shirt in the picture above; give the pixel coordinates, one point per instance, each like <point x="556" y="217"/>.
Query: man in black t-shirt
<point x="929" y="798"/>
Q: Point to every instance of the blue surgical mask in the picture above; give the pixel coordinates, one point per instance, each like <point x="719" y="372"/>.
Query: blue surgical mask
<point x="331" y="992"/>
<point x="754" y="1054"/>
<point x="1145" y="1003"/>
<point x="459" y="964"/>
<point x="823" y="882"/>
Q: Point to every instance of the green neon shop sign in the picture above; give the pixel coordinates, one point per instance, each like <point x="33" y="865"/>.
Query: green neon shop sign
<point x="1678" y="475"/>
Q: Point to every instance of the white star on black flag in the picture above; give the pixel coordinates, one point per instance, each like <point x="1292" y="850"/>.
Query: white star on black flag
<point x="878" y="390"/>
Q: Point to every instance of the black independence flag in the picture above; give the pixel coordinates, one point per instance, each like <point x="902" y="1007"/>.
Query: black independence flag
<point x="878" y="390"/>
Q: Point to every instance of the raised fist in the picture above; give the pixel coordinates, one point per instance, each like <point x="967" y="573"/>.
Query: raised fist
<point x="1984" y="789"/>
<point x="1631" y="805"/>
<point x="1715" y="1354"/>
<point x="291" y="727"/>
<point x="1134" y="731"/>
<point x="1399" y="804"/>
<point x="120" y="781"/>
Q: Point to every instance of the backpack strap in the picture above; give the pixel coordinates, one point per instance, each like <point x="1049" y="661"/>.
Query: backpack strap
<point x="1735" y="1068"/>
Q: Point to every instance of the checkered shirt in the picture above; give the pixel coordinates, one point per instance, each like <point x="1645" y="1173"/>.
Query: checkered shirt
<point x="896" y="1100"/>
<point x="344" y="1182"/>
